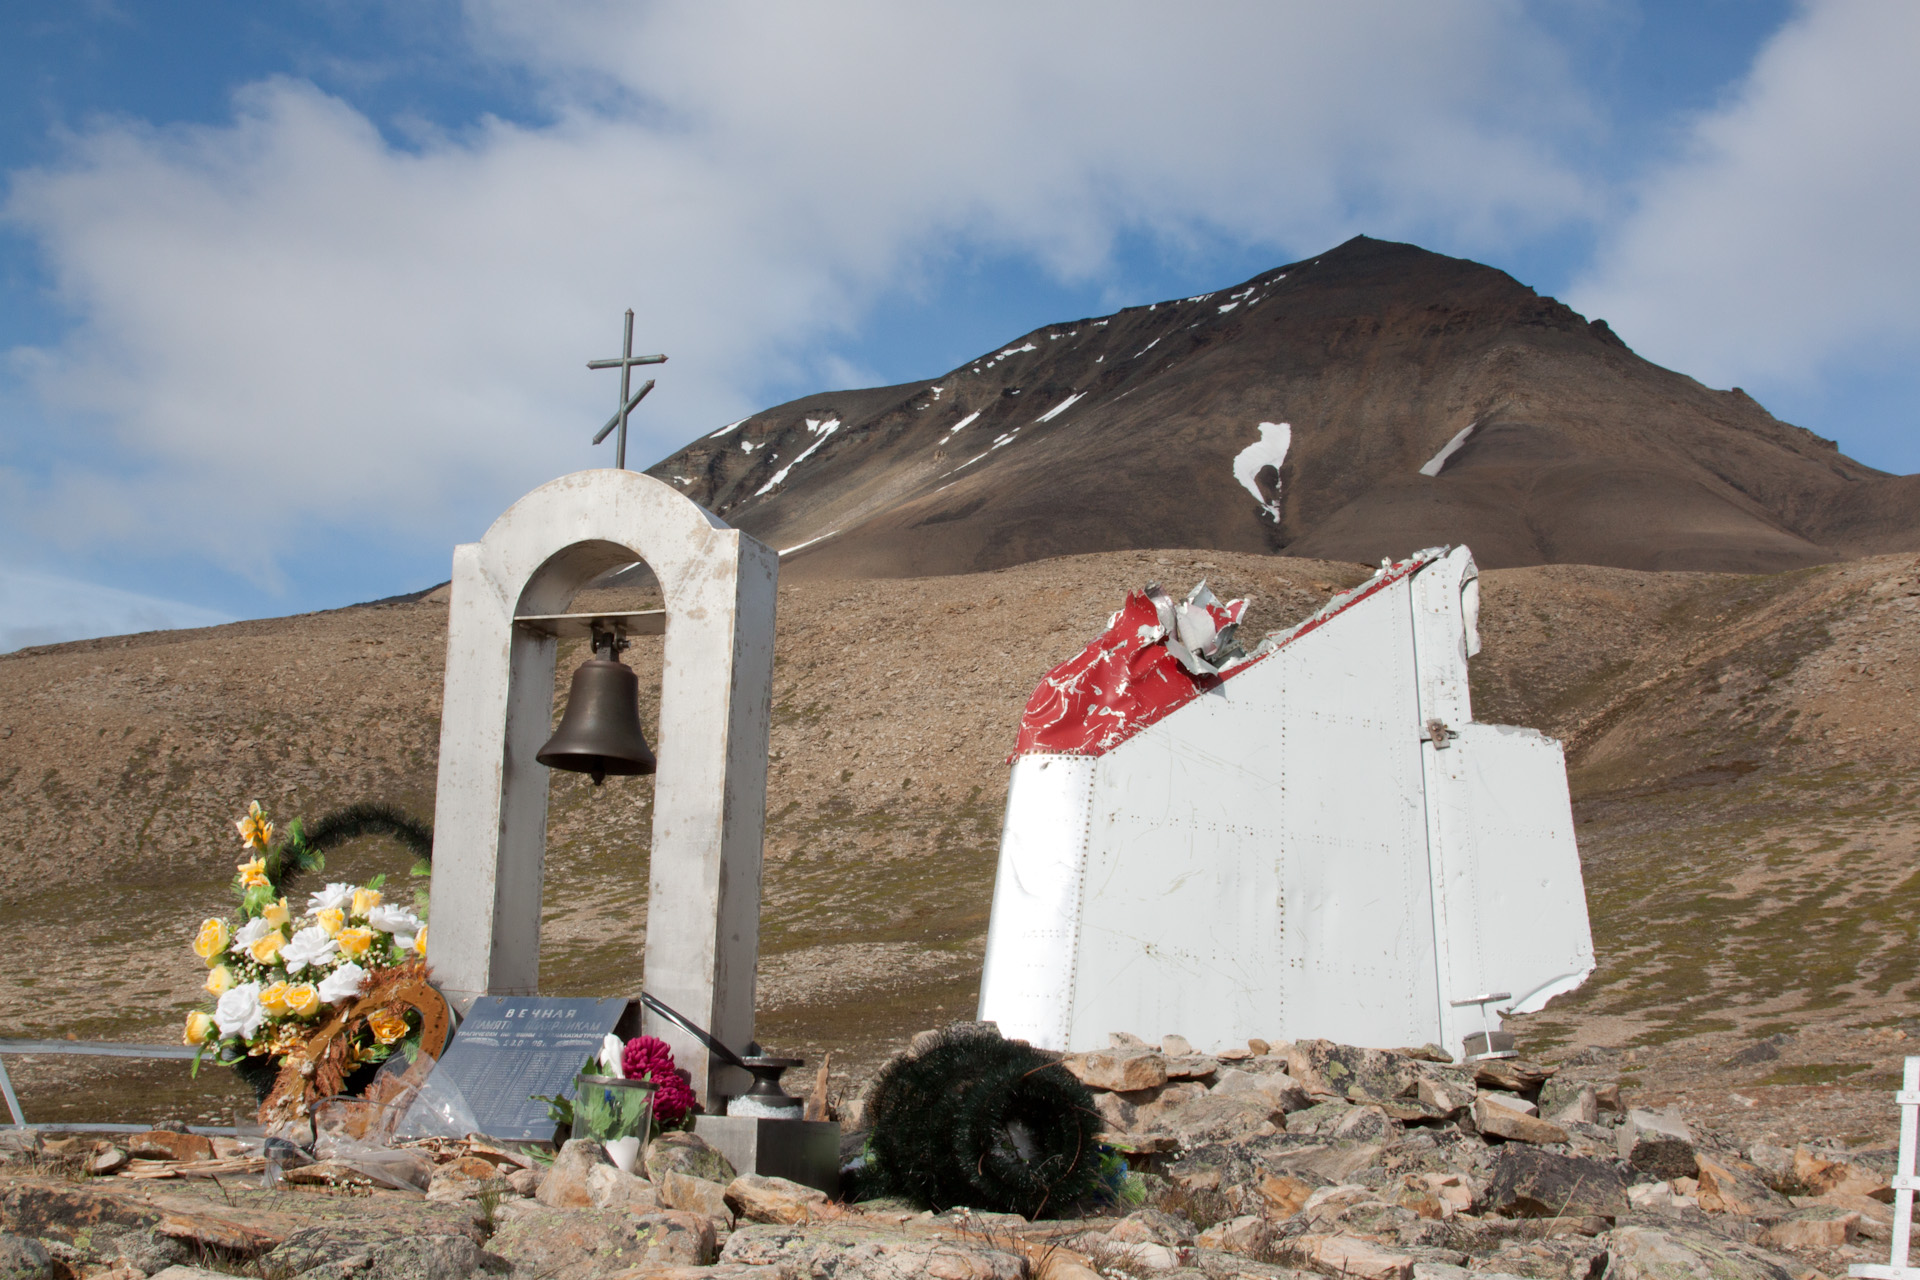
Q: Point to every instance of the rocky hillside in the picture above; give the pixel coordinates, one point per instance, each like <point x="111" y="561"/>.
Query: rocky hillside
<point x="1361" y="403"/>
<point x="1741" y="748"/>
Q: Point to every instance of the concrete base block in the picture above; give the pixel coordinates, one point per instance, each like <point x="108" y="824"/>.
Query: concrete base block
<point x="803" y="1151"/>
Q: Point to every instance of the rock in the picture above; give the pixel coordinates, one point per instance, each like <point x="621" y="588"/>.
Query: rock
<point x="1447" y="1271"/>
<point x="1515" y="1075"/>
<point x="1812" y="1229"/>
<point x="1155" y="1225"/>
<point x="695" y="1195"/>
<point x="105" y="1160"/>
<point x="566" y="1185"/>
<point x="852" y="1252"/>
<point x="1822" y="1176"/>
<point x="1351" y="1256"/>
<point x="1247" y="1234"/>
<point x="1150" y="1104"/>
<point x="1192" y="1067"/>
<point x="1125" y="1040"/>
<point x="1284" y="1195"/>
<point x="181" y="1272"/>
<point x="1658" y="1143"/>
<point x="773" y="1200"/>
<point x="1283" y="1091"/>
<point x="1727" y="1185"/>
<point x="339" y="1249"/>
<point x="1511" y="1101"/>
<point x="1444" y="1096"/>
<point x="1218" y="1118"/>
<point x="526" y="1181"/>
<point x="1503" y="1122"/>
<point x="23" y="1258"/>
<point x="1646" y="1253"/>
<point x="578" y="1244"/>
<point x="1542" y="1184"/>
<point x="1582" y="1108"/>
<point x="463" y="1178"/>
<point x="1117" y="1115"/>
<point x="608" y="1187"/>
<point x="1774" y="1163"/>
<point x="1129" y="1258"/>
<point x="1608" y="1097"/>
<point x="1259" y="1046"/>
<point x="1332" y="1163"/>
<point x="162" y="1144"/>
<point x="1121" y="1071"/>
<point x="1658" y="1197"/>
<point x="1176" y="1046"/>
<point x="1338" y="1070"/>
<point x="687" y="1153"/>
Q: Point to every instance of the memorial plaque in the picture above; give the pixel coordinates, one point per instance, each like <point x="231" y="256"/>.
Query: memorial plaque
<point x="511" y="1047"/>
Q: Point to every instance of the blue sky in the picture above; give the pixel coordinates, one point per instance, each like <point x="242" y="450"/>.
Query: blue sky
<point x="298" y="296"/>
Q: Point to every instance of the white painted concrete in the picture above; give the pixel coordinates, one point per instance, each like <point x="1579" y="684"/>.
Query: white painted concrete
<point x="703" y="915"/>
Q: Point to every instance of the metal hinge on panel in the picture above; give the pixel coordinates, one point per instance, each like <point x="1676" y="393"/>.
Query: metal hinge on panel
<point x="1439" y="735"/>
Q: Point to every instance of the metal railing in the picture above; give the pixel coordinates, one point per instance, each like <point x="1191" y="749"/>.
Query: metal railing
<point x="89" y="1049"/>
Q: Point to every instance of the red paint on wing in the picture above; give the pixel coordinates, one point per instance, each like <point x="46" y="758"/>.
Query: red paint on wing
<point x="1126" y="679"/>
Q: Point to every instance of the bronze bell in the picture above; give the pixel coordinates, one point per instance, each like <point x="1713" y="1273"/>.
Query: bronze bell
<point x="600" y="732"/>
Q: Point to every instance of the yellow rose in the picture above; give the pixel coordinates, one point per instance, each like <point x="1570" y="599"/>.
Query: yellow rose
<point x="274" y="999"/>
<point x="253" y="874"/>
<point x="264" y="948"/>
<point x="303" y="999"/>
<point x="276" y="913"/>
<point x="420" y="941"/>
<point x="199" y="1028"/>
<point x="355" y="941"/>
<point x="219" y="980"/>
<point x="364" y="901"/>
<point x="332" y="919"/>
<point x="213" y="939"/>
<point x="255" y="830"/>
<point x="386" y="1025"/>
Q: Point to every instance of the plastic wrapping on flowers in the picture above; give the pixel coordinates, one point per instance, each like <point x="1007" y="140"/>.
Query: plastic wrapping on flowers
<point x="275" y="970"/>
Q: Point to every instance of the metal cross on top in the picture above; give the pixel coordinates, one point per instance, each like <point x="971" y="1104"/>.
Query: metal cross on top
<point x="624" y="364"/>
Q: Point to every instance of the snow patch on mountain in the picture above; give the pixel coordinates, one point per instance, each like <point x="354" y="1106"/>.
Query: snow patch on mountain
<point x="1447" y="450"/>
<point x="1270" y="450"/>
<point x="823" y="429"/>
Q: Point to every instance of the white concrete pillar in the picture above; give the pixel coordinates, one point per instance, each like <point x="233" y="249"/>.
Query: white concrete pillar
<point x="490" y="816"/>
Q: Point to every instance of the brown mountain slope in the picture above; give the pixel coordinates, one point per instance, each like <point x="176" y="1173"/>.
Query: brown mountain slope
<point x="1741" y="748"/>
<point x="1118" y="432"/>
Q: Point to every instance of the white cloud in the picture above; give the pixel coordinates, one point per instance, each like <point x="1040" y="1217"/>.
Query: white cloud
<point x="42" y="608"/>
<point x="1781" y="243"/>
<point x="287" y="322"/>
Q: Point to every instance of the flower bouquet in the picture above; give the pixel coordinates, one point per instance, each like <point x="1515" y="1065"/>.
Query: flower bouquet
<point x="278" y="971"/>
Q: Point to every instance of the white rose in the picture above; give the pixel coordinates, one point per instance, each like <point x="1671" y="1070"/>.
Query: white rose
<point x="239" y="1012"/>
<point x="254" y="930"/>
<point x="395" y="920"/>
<point x="309" y="946"/>
<point x="611" y="1047"/>
<point x="334" y="895"/>
<point x="342" y="984"/>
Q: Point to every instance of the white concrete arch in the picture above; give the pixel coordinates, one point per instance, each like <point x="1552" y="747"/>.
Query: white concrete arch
<point x="490" y="813"/>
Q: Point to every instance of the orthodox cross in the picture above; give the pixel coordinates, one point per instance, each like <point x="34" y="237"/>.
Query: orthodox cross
<point x="624" y="364"/>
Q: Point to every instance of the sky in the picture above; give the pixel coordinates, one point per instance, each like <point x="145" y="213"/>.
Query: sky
<point x="295" y="297"/>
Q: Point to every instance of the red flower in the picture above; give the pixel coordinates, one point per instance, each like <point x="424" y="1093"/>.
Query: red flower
<point x="649" y="1058"/>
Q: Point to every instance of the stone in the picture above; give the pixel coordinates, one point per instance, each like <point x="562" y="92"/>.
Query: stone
<point x="1284" y="1195"/>
<point x="853" y="1252"/>
<point x="1216" y="1118"/>
<point x="1823" y="1176"/>
<point x="566" y="1185"/>
<point x="463" y="1178"/>
<point x="526" y="1181"/>
<point x="1515" y="1075"/>
<point x="1337" y="1070"/>
<point x="160" y="1144"/>
<point x="1582" y="1108"/>
<point x="23" y="1258"/>
<point x="1658" y="1197"/>
<point x="1125" y="1040"/>
<point x="1774" y="1163"/>
<point x="1444" y="1095"/>
<point x="1648" y="1253"/>
<point x="1116" y="1113"/>
<point x="773" y="1200"/>
<point x="1176" y="1046"/>
<point x="1191" y="1067"/>
<point x="609" y="1187"/>
<point x="1154" y="1225"/>
<point x="687" y="1153"/>
<point x="1321" y="1117"/>
<point x="1351" y="1256"/>
<point x="1658" y="1143"/>
<point x="1526" y="1183"/>
<point x="107" y="1159"/>
<point x="340" y="1249"/>
<point x="1511" y="1101"/>
<point x="579" y="1244"/>
<point x="1247" y="1234"/>
<point x="1812" y="1230"/>
<point x="1365" y="1124"/>
<point x="1132" y="1257"/>
<point x="1281" y="1090"/>
<point x="1727" y="1185"/>
<point x="1447" y="1271"/>
<point x="1608" y="1097"/>
<point x="1491" y="1118"/>
<point x="1259" y="1046"/>
<point x="694" y="1195"/>
<point x="1332" y="1163"/>
<point x="1121" y="1071"/>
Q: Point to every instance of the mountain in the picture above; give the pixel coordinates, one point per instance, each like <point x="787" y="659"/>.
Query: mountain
<point x="1371" y="400"/>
